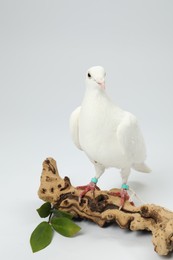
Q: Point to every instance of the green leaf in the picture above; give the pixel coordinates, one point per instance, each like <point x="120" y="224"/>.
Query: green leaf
<point x="44" y="210"/>
<point x="59" y="213"/>
<point x="65" y="226"/>
<point x="41" y="236"/>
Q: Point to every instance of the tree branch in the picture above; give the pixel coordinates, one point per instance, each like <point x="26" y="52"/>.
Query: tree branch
<point x="103" y="208"/>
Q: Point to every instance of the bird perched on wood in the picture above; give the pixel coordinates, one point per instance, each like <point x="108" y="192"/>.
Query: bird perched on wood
<point x="108" y="135"/>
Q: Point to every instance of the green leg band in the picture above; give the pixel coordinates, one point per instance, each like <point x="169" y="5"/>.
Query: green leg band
<point x="95" y="180"/>
<point x="125" y="186"/>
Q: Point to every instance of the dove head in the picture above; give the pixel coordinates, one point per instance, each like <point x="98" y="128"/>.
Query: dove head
<point x="95" y="77"/>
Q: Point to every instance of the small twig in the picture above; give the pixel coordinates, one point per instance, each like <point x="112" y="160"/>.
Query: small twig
<point x="50" y="216"/>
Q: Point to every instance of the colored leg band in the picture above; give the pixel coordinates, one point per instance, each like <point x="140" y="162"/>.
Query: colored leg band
<point x="95" y="180"/>
<point x="125" y="186"/>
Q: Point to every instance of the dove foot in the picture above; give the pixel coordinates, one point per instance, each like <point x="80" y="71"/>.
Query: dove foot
<point x="89" y="187"/>
<point x="123" y="194"/>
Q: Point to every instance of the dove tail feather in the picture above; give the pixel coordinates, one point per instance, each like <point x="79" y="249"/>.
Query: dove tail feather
<point x="141" y="167"/>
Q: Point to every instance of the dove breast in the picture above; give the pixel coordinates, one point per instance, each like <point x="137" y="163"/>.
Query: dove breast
<point x="108" y="134"/>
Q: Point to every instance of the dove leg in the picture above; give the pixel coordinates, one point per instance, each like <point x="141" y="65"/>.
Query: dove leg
<point x="99" y="169"/>
<point x="125" y="175"/>
<point x="123" y="193"/>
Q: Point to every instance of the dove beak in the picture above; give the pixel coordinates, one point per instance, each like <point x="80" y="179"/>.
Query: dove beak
<point x="101" y="84"/>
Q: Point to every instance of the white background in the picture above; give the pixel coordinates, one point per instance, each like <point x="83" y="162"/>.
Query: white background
<point x="45" y="49"/>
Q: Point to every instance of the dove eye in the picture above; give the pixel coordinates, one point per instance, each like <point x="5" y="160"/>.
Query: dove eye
<point x="89" y="75"/>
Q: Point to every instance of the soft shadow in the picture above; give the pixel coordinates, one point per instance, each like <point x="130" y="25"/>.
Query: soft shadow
<point x="137" y="186"/>
<point x="141" y="233"/>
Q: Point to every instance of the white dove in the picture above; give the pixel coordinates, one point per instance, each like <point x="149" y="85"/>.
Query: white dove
<point x="108" y="135"/>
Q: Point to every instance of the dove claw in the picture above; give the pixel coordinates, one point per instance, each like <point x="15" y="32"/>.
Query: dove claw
<point x="85" y="189"/>
<point x="124" y="196"/>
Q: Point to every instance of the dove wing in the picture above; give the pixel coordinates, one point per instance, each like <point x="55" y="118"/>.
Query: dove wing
<point x="74" y="127"/>
<point x="130" y="139"/>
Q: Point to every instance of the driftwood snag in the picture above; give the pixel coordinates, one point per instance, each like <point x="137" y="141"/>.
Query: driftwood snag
<point x="104" y="208"/>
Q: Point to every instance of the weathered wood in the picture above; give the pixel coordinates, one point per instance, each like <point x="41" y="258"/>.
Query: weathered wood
<point x="103" y="208"/>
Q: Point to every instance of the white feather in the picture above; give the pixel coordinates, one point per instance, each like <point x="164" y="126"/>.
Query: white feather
<point x="74" y="126"/>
